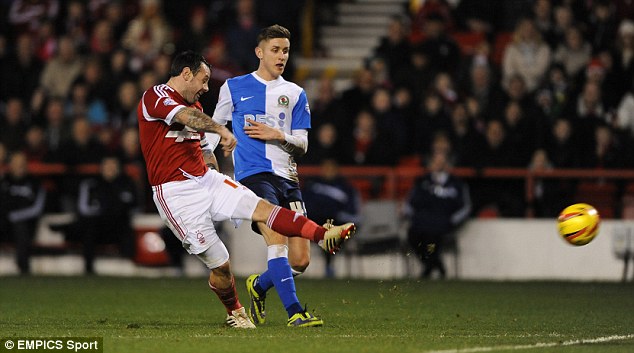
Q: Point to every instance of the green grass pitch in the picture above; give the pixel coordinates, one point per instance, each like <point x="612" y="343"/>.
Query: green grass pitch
<point x="183" y="315"/>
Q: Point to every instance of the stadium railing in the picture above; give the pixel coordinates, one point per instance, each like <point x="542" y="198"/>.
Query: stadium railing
<point x="395" y="182"/>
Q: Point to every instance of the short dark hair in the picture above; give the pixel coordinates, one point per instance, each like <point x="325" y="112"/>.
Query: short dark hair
<point x="189" y="59"/>
<point x="274" y="31"/>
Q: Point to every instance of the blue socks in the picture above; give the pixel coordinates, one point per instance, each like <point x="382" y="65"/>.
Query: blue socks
<point x="280" y="276"/>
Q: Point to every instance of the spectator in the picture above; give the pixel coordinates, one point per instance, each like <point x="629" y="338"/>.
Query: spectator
<point x="516" y="90"/>
<point x="560" y="145"/>
<point x="104" y="209"/>
<point x="26" y="16"/>
<point x="82" y="103"/>
<point x="359" y="95"/>
<point x="117" y="73"/>
<point x="198" y="32"/>
<point x="606" y="150"/>
<point x="392" y="125"/>
<point x="60" y="73"/>
<point x="369" y="145"/>
<point x="35" y="147"/>
<point x="587" y="112"/>
<point x="601" y="25"/>
<point x="327" y="108"/>
<point x="442" y="51"/>
<point x="477" y="16"/>
<point x="394" y="48"/>
<point x="56" y="127"/>
<point x="147" y="35"/>
<point x="46" y="41"/>
<point x="493" y="151"/>
<point x="550" y="195"/>
<point x="522" y="132"/>
<point x="75" y="23"/>
<point x="21" y="71"/>
<point x="83" y="147"/>
<point x="428" y="11"/>
<point x="479" y="80"/>
<point x="13" y="125"/>
<point x="574" y="53"/>
<point x="124" y="111"/>
<point x="241" y="33"/>
<point x="331" y="196"/>
<point x="417" y="74"/>
<point x="325" y="143"/>
<point x="102" y="41"/>
<point x="625" y="113"/>
<point x="554" y="95"/>
<point x="563" y="20"/>
<point x="624" y="56"/>
<point x="527" y="55"/>
<point x="463" y="134"/>
<point x="431" y="119"/>
<point x="21" y="206"/>
<point x="437" y="205"/>
<point x="542" y="15"/>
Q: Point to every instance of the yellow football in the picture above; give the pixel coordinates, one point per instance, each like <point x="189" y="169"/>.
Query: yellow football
<point x="579" y="223"/>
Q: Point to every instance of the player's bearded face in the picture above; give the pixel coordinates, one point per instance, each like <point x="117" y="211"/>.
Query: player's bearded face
<point x="199" y="84"/>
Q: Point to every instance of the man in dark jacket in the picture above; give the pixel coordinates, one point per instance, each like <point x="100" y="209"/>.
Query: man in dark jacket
<point x="22" y="200"/>
<point x="104" y="208"/>
<point x="437" y="205"/>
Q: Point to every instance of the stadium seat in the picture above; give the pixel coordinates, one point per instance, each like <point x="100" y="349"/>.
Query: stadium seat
<point x="468" y="41"/>
<point x="379" y="233"/>
<point x="150" y="248"/>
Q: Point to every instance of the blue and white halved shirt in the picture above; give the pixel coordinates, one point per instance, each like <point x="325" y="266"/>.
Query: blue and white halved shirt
<point x="279" y="104"/>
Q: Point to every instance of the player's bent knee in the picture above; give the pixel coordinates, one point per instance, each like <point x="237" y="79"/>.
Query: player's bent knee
<point x="262" y="211"/>
<point x="215" y="257"/>
<point x="300" y="265"/>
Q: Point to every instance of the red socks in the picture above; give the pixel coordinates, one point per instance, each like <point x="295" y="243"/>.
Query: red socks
<point x="228" y="296"/>
<point x="293" y="224"/>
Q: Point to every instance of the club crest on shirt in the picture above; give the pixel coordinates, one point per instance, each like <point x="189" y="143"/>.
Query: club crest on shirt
<point x="169" y="101"/>
<point x="282" y="101"/>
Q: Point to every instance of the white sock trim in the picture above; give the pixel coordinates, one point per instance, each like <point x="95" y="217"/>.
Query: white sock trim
<point x="277" y="250"/>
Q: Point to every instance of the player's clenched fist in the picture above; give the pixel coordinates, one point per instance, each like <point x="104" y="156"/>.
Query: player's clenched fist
<point x="227" y="141"/>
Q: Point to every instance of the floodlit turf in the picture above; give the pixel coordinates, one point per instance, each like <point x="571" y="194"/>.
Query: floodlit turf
<point x="183" y="315"/>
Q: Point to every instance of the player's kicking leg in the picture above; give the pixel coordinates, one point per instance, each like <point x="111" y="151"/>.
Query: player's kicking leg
<point x="293" y="224"/>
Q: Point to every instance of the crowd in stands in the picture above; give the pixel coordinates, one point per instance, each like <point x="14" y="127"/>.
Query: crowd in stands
<point x="492" y="83"/>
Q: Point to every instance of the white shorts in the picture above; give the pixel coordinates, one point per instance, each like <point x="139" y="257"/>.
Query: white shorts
<point x="190" y="208"/>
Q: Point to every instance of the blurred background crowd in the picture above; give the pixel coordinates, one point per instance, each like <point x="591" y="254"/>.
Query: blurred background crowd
<point x="516" y="83"/>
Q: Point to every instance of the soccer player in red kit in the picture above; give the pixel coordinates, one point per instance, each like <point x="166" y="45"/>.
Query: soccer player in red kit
<point x="178" y="140"/>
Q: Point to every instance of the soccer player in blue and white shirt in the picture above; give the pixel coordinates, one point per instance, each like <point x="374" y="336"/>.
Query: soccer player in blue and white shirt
<point x="270" y="118"/>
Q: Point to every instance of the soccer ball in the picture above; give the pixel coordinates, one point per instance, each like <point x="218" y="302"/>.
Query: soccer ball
<point x="578" y="223"/>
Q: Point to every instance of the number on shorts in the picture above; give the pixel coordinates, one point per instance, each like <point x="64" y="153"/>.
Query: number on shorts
<point x="298" y="207"/>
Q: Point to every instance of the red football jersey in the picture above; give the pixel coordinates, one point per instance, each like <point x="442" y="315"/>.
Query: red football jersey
<point x="168" y="146"/>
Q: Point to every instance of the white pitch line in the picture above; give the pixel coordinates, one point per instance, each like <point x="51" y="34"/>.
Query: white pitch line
<point x="538" y="345"/>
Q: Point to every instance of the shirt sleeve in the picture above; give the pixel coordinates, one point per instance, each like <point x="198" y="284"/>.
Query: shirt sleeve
<point x="224" y="107"/>
<point x="159" y="106"/>
<point x="301" y="113"/>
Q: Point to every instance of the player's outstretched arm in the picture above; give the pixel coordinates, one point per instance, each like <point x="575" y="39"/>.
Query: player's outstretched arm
<point x="200" y="121"/>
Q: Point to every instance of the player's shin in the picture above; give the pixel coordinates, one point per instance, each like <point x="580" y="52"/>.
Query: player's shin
<point x="228" y="296"/>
